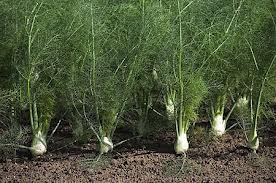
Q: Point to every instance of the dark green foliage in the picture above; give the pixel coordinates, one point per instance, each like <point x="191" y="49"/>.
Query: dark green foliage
<point x="101" y="63"/>
<point x="12" y="133"/>
<point x="96" y="60"/>
<point x="33" y="39"/>
<point x="7" y="43"/>
<point x="194" y="91"/>
<point x="7" y="111"/>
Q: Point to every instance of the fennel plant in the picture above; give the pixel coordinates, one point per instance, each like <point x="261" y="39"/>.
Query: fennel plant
<point x="36" y="60"/>
<point x="102" y="71"/>
<point x="227" y="58"/>
<point x="261" y="45"/>
<point x="180" y="74"/>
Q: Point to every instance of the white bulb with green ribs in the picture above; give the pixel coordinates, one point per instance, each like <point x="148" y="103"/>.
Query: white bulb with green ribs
<point x="40" y="125"/>
<point x="218" y="122"/>
<point x="39" y="145"/>
<point x="108" y="120"/>
<point x="181" y="145"/>
<point x="242" y="102"/>
<point x="169" y="100"/>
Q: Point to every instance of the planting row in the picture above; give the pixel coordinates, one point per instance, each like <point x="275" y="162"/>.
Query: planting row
<point x="94" y="62"/>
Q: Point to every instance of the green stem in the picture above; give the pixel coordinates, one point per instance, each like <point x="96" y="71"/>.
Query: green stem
<point x="129" y="83"/>
<point x="36" y="124"/>
<point x="30" y="102"/>
<point x="180" y="124"/>
<point x="93" y="67"/>
<point x="143" y="12"/>
<point x="231" y="111"/>
<point x="251" y="102"/>
<point x="260" y="95"/>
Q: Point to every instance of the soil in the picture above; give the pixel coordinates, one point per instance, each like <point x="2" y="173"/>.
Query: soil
<point x="150" y="159"/>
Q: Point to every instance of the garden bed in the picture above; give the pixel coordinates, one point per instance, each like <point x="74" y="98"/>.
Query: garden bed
<point x="150" y="159"/>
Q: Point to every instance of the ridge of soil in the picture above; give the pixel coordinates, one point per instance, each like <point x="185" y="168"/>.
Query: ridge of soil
<point x="151" y="159"/>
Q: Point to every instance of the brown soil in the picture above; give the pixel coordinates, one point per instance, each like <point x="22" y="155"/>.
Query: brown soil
<point x="151" y="159"/>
